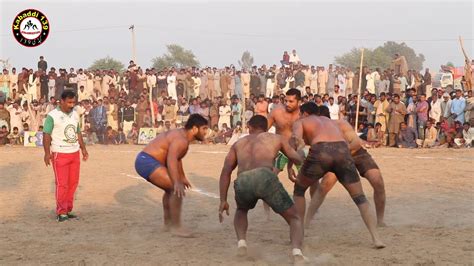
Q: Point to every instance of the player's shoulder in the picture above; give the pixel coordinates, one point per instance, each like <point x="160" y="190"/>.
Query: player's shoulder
<point x="277" y="109"/>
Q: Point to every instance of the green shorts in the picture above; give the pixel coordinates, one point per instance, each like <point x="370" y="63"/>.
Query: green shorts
<point x="281" y="161"/>
<point x="261" y="183"/>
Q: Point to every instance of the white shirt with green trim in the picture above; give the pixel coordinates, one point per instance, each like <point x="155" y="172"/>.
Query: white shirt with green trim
<point x="63" y="128"/>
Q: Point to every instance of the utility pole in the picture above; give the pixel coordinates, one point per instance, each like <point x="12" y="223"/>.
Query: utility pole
<point x="356" y="126"/>
<point x="134" y="52"/>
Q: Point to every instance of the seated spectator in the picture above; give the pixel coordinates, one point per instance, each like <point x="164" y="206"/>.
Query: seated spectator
<point x="211" y="135"/>
<point x="26" y="128"/>
<point x="430" y="136"/>
<point x="467" y="137"/>
<point x="160" y="128"/>
<point x="362" y="131"/>
<point x="132" y="136"/>
<point x="121" y="138"/>
<point x="110" y="136"/>
<point x="167" y="125"/>
<point x="14" y="137"/>
<point x="406" y="136"/>
<point x="375" y="136"/>
<point x="3" y="135"/>
<point x="89" y="136"/>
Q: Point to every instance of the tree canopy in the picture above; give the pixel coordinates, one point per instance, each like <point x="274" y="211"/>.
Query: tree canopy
<point x="246" y="61"/>
<point x="381" y="56"/>
<point x="177" y="57"/>
<point x="107" y="63"/>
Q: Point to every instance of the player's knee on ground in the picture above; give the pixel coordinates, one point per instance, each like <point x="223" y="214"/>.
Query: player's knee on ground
<point x="359" y="199"/>
<point x="299" y="190"/>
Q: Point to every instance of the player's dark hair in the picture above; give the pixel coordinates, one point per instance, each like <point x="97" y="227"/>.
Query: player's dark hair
<point x="195" y="120"/>
<point x="324" y="111"/>
<point x="310" y="108"/>
<point x="294" y="92"/>
<point x="258" y="122"/>
<point x="68" y="94"/>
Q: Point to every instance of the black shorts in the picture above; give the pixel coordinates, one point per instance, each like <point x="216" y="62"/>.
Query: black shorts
<point x="333" y="157"/>
<point x="364" y="161"/>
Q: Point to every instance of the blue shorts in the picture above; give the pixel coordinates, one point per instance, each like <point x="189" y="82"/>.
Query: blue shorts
<point x="145" y="165"/>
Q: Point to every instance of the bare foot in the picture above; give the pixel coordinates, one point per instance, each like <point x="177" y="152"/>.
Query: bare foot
<point x="181" y="232"/>
<point x="381" y="224"/>
<point x="165" y="228"/>
<point x="300" y="260"/>
<point x="242" y="251"/>
<point x="379" y="244"/>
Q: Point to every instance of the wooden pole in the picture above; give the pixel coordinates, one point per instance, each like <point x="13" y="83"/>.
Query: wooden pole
<point x="244" y="107"/>
<point x="462" y="48"/>
<point x="358" y="93"/>
<point x="467" y="67"/>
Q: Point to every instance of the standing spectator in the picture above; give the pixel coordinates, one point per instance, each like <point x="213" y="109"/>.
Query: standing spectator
<point x="127" y="117"/>
<point x="214" y="114"/>
<point x="142" y="105"/>
<point x="322" y="81"/>
<point x="422" y="115"/>
<point x="42" y="64"/>
<point x="245" y="77"/>
<point x="294" y="58"/>
<point x="62" y="140"/>
<point x="5" y="83"/>
<point x="446" y="107"/>
<point x="217" y="83"/>
<point x="171" y="81"/>
<point x="270" y="83"/>
<point x="333" y="109"/>
<point x="13" y="81"/>
<point x="427" y="82"/>
<point x="224" y="114"/>
<point x="285" y="60"/>
<point x="457" y="107"/>
<point x="381" y="114"/>
<point x="15" y="115"/>
<point x="397" y="112"/>
<point x="435" y="108"/>
<point x="331" y="80"/>
<point x="236" y="112"/>
<point x="98" y="119"/>
<point x="254" y="84"/>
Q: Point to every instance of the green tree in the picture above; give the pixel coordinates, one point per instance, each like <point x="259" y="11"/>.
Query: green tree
<point x="107" y="63"/>
<point x="382" y="56"/>
<point x="450" y="64"/>
<point x="177" y="57"/>
<point x="246" y="61"/>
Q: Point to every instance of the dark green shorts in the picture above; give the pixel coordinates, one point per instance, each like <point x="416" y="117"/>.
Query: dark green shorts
<point x="261" y="183"/>
<point x="281" y="161"/>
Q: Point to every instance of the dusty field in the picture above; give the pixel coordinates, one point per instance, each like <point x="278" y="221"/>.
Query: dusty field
<point x="430" y="213"/>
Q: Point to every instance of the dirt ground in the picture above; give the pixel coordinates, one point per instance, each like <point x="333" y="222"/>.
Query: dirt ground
<point x="430" y="214"/>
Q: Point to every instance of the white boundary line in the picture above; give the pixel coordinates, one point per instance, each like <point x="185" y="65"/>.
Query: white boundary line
<point x="197" y="190"/>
